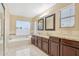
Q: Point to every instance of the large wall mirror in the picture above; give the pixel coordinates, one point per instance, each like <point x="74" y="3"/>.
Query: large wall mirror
<point x="50" y="22"/>
<point x="67" y="16"/>
<point x="41" y="24"/>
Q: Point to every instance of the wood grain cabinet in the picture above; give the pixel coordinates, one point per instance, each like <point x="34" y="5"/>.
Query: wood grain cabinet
<point x="36" y="41"/>
<point x="77" y="52"/>
<point x="33" y="40"/>
<point x="69" y="48"/>
<point x="45" y="45"/>
<point x="40" y="42"/>
<point x="54" y="45"/>
<point x="67" y="51"/>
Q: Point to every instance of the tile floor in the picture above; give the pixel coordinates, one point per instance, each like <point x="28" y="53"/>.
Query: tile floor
<point x="22" y="47"/>
<point x="30" y="50"/>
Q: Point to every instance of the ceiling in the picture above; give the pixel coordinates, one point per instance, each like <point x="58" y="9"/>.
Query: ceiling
<point x="28" y="9"/>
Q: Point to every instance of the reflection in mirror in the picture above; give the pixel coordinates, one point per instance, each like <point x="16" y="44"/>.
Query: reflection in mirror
<point x="67" y="16"/>
<point x="50" y="22"/>
<point x="41" y="24"/>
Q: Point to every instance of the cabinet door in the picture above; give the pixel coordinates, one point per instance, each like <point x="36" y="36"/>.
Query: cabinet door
<point x="77" y="52"/>
<point x="67" y="51"/>
<point x="45" y="47"/>
<point x="36" y="41"/>
<point x="54" y="49"/>
<point x="39" y="43"/>
<point x="32" y="41"/>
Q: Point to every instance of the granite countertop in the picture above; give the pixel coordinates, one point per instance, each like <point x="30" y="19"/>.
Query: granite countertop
<point x="69" y="37"/>
<point x="75" y="38"/>
<point x="42" y="36"/>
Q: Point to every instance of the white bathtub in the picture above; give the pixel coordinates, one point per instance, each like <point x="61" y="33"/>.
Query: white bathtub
<point x="19" y="38"/>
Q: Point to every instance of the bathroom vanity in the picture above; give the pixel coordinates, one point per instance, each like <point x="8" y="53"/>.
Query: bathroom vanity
<point x="41" y="42"/>
<point x="56" y="46"/>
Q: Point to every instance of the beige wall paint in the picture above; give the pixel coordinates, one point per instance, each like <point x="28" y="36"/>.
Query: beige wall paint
<point x="72" y="33"/>
<point x="13" y="19"/>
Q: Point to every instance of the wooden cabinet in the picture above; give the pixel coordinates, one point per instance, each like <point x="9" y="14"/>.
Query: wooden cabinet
<point x="33" y="40"/>
<point x="54" y="49"/>
<point x="54" y="44"/>
<point x="39" y="42"/>
<point x="67" y="51"/>
<point x="63" y="47"/>
<point x="69" y="48"/>
<point x="36" y="41"/>
<point x="45" y="45"/>
<point x="77" y="52"/>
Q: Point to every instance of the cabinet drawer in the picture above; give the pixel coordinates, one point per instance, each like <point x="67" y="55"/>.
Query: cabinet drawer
<point x="45" y="39"/>
<point x="55" y="39"/>
<point x="70" y="43"/>
<point x="32" y="35"/>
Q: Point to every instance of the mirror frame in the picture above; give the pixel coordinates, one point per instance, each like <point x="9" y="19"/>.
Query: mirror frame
<point x="41" y="20"/>
<point x="53" y="20"/>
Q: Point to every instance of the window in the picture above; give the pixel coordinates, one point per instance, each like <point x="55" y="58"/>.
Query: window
<point x="22" y="27"/>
